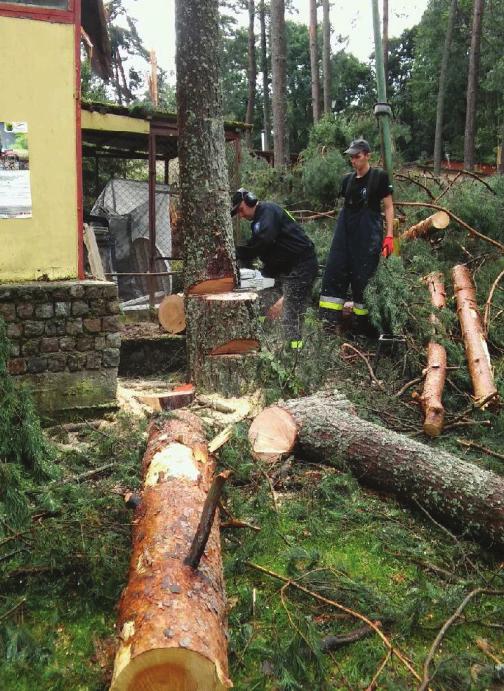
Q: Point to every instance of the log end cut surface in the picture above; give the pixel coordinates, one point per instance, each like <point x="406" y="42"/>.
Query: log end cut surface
<point x="171" y="314"/>
<point x="272" y="434"/>
<point x="162" y="669"/>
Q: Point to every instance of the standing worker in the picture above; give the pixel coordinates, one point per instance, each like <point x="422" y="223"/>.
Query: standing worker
<point x="287" y="253"/>
<point x="358" y="240"/>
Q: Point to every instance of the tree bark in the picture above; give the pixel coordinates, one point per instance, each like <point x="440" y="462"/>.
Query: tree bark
<point x="472" y="85"/>
<point x="204" y="193"/>
<point x="439" y="220"/>
<point x="314" y="62"/>
<point x="210" y="266"/>
<point x="265" y="80"/>
<point x="459" y="494"/>
<point x="431" y="399"/>
<point x="226" y="326"/>
<point x="326" y="56"/>
<point x="279" y="87"/>
<point x="438" y="138"/>
<point x="385" y="36"/>
<point x="251" y="72"/>
<point x="172" y="618"/>
<point x="476" y="348"/>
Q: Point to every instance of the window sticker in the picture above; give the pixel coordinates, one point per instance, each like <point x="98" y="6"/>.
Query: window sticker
<point x="15" y="190"/>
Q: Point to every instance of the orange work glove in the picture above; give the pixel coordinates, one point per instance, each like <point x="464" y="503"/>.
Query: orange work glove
<point x="387" y="246"/>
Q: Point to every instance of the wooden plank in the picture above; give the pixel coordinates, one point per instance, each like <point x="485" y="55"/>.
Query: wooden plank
<point x="95" y="261"/>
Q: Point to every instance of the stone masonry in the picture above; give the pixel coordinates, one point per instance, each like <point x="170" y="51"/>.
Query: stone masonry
<point x="65" y="342"/>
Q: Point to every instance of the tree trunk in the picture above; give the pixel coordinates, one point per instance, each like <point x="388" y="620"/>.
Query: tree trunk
<point x="172" y="618"/>
<point x="456" y="492"/>
<point x="210" y="267"/>
<point x="265" y="80"/>
<point x="314" y="62"/>
<point x="326" y="56"/>
<point x="478" y="357"/>
<point x="472" y="85"/>
<point x="204" y="193"/>
<point x="226" y="326"/>
<point x="385" y="32"/>
<point x="279" y="61"/>
<point x="431" y="399"/>
<point x="439" y="221"/>
<point x="438" y="138"/>
<point x="251" y="72"/>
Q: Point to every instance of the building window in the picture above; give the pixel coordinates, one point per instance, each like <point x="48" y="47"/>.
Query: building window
<point x="47" y="4"/>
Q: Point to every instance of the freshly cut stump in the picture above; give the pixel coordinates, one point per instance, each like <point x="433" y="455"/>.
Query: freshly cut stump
<point x="222" y="350"/>
<point x="476" y="348"/>
<point x="457" y="493"/>
<point x="172" y="619"/>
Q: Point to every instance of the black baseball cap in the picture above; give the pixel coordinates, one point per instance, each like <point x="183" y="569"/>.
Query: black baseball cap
<point x="358" y="146"/>
<point x="237" y="199"/>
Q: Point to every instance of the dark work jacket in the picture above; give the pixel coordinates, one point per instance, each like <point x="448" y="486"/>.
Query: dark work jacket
<point x="278" y="241"/>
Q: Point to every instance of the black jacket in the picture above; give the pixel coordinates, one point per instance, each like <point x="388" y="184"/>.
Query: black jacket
<point x="278" y="241"/>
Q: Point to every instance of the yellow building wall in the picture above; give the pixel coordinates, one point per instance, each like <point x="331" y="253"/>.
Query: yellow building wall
<point x="37" y="85"/>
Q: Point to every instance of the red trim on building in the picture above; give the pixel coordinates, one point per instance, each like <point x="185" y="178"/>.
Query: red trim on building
<point x="44" y="14"/>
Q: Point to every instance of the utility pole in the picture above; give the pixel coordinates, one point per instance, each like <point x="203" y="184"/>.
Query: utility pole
<point x="382" y="109"/>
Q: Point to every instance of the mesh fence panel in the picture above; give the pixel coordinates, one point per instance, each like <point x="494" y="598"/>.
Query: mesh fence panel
<point x="124" y="205"/>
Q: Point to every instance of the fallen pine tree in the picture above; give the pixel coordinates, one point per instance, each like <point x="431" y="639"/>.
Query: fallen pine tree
<point x="324" y="426"/>
<point x="172" y="620"/>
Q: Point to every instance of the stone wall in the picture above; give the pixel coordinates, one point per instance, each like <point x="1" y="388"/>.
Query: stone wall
<point x="65" y="342"/>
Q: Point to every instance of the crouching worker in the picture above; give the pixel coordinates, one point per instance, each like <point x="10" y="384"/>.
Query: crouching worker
<point x="357" y="241"/>
<point x="287" y="253"/>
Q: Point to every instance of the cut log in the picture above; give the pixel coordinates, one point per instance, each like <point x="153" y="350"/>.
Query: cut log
<point x="227" y="327"/>
<point x="476" y="348"/>
<point x="169" y="400"/>
<point x="172" y="621"/>
<point x="431" y="399"/>
<point x="171" y="313"/>
<point x="439" y="221"/>
<point x="459" y="494"/>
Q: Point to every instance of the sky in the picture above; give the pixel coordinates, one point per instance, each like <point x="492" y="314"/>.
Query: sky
<point x="349" y="18"/>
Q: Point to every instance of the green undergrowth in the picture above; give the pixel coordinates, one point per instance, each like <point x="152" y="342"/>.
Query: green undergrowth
<point x="364" y="552"/>
<point x="62" y="571"/>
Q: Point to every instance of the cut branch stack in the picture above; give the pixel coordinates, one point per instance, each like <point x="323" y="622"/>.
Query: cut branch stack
<point x="435" y="372"/>
<point x="172" y="621"/>
<point x="324" y="427"/>
<point x="476" y="348"/>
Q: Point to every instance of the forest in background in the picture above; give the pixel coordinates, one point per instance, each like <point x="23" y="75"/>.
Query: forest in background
<point x="413" y="69"/>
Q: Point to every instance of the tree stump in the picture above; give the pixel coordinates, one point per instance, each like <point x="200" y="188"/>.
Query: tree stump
<point x="458" y="493"/>
<point x="227" y="332"/>
<point x="478" y="357"/>
<point x="172" y="620"/>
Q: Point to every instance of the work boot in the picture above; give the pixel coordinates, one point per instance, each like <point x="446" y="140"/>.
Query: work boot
<point x="333" y="323"/>
<point x="361" y="326"/>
